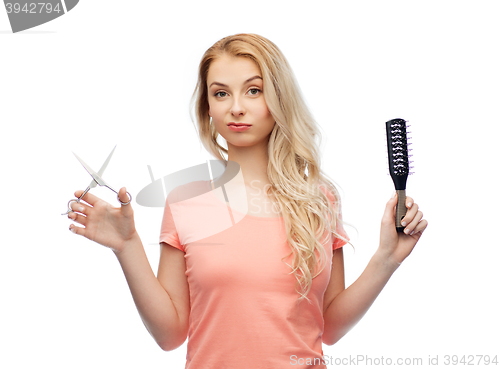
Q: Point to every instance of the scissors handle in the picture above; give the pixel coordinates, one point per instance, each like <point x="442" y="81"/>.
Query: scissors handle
<point x="125" y="203"/>
<point x="87" y="190"/>
<point x="75" y="200"/>
<point x="117" y="196"/>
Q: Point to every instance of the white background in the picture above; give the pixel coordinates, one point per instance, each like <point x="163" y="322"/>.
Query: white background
<point x="122" y="73"/>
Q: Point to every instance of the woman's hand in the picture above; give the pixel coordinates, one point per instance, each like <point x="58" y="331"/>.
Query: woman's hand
<point x="396" y="246"/>
<point x="102" y="223"/>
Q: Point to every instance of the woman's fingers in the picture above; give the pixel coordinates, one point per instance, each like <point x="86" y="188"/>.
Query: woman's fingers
<point x="79" y="207"/>
<point x="413" y="220"/>
<point x="417" y="224"/>
<point x="422" y="225"/>
<point x="88" y="198"/>
<point x="78" y="218"/>
<point x="410" y="213"/>
<point x="77" y="230"/>
<point x="83" y="207"/>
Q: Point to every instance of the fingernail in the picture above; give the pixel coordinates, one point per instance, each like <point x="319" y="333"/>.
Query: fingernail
<point x="407" y="231"/>
<point x="410" y="204"/>
<point x="81" y="208"/>
<point x="72" y="229"/>
<point x="403" y="223"/>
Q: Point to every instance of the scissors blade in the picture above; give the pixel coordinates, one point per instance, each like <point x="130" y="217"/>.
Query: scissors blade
<point x="97" y="178"/>
<point x="103" y="167"/>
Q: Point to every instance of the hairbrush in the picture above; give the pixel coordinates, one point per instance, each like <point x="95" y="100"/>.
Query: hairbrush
<point x="399" y="165"/>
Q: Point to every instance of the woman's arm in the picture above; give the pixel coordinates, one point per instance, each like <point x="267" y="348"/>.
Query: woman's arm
<point x="350" y="305"/>
<point x="164" y="310"/>
<point x="165" y="319"/>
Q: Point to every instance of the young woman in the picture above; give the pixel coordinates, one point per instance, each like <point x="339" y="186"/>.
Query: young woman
<point x="269" y="290"/>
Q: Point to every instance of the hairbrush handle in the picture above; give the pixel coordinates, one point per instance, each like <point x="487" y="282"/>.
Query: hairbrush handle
<point x="400" y="209"/>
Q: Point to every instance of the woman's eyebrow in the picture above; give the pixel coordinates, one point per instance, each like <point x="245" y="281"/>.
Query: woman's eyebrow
<point x="247" y="81"/>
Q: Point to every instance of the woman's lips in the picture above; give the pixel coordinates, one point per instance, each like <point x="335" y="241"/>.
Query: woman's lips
<point x="238" y="124"/>
<point x="238" y="127"/>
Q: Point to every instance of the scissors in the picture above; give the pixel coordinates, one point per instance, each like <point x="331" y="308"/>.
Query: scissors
<point x="96" y="180"/>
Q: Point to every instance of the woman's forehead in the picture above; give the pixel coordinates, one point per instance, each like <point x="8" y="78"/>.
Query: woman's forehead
<point x="230" y="69"/>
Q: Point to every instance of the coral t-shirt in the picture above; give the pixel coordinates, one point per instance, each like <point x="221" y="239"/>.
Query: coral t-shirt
<point x="244" y="310"/>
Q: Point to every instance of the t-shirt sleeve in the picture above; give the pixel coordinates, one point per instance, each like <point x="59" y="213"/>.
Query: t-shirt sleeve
<point x="168" y="232"/>
<point x="337" y="242"/>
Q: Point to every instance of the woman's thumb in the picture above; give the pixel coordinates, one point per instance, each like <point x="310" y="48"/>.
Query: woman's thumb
<point x="124" y="198"/>
<point x="389" y="208"/>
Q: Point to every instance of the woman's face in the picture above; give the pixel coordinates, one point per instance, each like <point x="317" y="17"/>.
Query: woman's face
<point x="235" y="95"/>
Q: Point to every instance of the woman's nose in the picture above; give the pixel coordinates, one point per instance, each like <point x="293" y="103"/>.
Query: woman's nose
<point x="237" y="108"/>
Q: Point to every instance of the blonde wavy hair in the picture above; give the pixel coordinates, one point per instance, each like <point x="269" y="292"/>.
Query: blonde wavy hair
<point x="293" y="169"/>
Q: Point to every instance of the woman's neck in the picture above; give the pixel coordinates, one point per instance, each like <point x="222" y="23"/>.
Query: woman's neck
<point x="253" y="162"/>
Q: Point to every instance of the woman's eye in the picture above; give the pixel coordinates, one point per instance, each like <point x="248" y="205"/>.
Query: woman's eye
<point x="220" y="94"/>
<point x="254" y="91"/>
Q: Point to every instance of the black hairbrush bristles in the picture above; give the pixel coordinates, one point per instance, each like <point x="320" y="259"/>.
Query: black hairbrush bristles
<point x="399" y="165"/>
